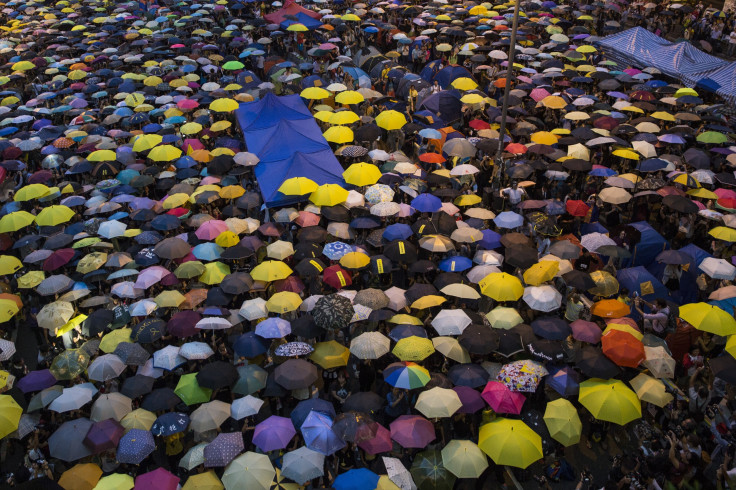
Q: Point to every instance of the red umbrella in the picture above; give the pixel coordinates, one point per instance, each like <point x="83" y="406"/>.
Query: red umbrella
<point x="187" y="104"/>
<point x="502" y="399"/>
<point x="478" y="124"/>
<point x="577" y="208"/>
<point x="605" y="122"/>
<point x="412" y="431"/>
<point x="337" y="277"/>
<point x="291" y="283"/>
<point x="516" y="148"/>
<point x="431" y="158"/>
<point x="58" y="259"/>
<point x="307" y="219"/>
<point x="380" y="443"/>
<point x="643" y="95"/>
<point x="623" y="348"/>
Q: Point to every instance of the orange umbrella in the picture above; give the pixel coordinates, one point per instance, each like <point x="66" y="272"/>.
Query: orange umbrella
<point x="499" y="83"/>
<point x="610" y="308"/>
<point x="623" y="348"/>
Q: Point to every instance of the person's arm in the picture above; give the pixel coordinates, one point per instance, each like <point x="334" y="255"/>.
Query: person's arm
<point x="691" y="383"/>
<point x="673" y="450"/>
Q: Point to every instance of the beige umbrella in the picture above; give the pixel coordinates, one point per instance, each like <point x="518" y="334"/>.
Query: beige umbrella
<point x="464" y="459"/>
<point x="650" y="390"/>
<point x="438" y="402"/>
<point x="209" y="416"/>
<point x="55" y="315"/>
<point x="436" y="243"/>
<point x="249" y="471"/>
<point x="138" y="419"/>
<point x="579" y="151"/>
<point x="111" y="406"/>
<point x="340" y="230"/>
<point x="451" y="348"/>
<point x="370" y="345"/>
<point x="467" y="235"/>
<point x="480" y="213"/>
<point x="659" y="362"/>
<point x="459" y="290"/>
<point x="280" y="250"/>
<point x="614" y="195"/>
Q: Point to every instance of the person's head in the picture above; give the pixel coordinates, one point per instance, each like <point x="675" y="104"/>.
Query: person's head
<point x="341" y="377"/>
<point x="575" y="298"/>
<point x="660" y="304"/>
<point x="695" y="351"/>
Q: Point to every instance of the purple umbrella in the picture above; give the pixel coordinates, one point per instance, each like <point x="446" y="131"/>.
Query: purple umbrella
<point x="183" y="323"/>
<point x="158" y="479"/>
<point x="36" y="381"/>
<point x="565" y="381"/>
<point x="380" y="443"/>
<point x="223" y="449"/>
<point x="135" y="446"/>
<point x="412" y="431"/>
<point x="318" y="434"/>
<point x="586" y="331"/>
<point x="273" y="433"/>
<point x="104" y="435"/>
<point x="470" y="398"/>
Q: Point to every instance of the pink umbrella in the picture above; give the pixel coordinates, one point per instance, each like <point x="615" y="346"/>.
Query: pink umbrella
<point x="412" y="431"/>
<point x="158" y="479"/>
<point x="538" y="94"/>
<point x="586" y="331"/>
<point x="380" y="443"/>
<point x="624" y="321"/>
<point x="209" y="230"/>
<point x="327" y="46"/>
<point x="307" y="219"/>
<point x="725" y="193"/>
<point x="192" y="144"/>
<point x="150" y="276"/>
<point x="187" y="104"/>
<point x="501" y="399"/>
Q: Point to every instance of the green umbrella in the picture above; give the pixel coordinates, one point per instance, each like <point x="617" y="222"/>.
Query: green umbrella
<point x="189" y="390"/>
<point x="233" y="65"/>
<point x="712" y="137"/>
<point x="69" y="364"/>
<point x="252" y="378"/>
<point x="429" y="472"/>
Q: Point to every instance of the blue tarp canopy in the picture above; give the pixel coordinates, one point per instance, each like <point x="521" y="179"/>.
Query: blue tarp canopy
<point x="650" y="245"/>
<point x="641" y="281"/>
<point x="283" y="134"/>
<point x="641" y="48"/>
<point x="303" y="19"/>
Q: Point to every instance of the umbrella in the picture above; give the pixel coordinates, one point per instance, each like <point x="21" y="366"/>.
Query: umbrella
<point x="428" y="471"/>
<point x="223" y="449"/>
<point x="303" y="465"/>
<point x="412" y="431"/>
<point x="610" y="400"/>
<point x="438" y="402"/>
<point x="249" y="471"/>
<point x="562" y="421"/>
<point x="135" y="446"/>
<point x="318" y="434"/>
<point x="273" y="433"/>
<point x="510" y="442"/>
<point x="464" y="459"/>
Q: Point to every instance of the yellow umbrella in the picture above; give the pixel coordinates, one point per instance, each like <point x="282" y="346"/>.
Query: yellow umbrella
<point x="220" y="126"/>
<point x="541" y="272"/>
<point x="464" y="459"/>
<point x="204" y="481"/>
<point x="296" y="27"/>
<point x="563" y="422"/>
<point x="175" y="200"/>
<point x="283" y="302"/>
<point x="651" y="390"/>
<point x="138" y="419"/>
<point x="214" y="273"/>
<point x="413" y="348"/>
<point x="134" y="99"/>
<point x="343" y="117"/>
<point x="464" y="83"/>
<point x="358" y="174"/>
<point x="554" y="102"/>
<point x="15" y="221"/>
<point x="83" y="476"/>
<point x="610" y="400"/>
<point x="164" y="153"/>
<point x="472" y="99"/>
<point x="10" y="413"/>
<point x="467" y="200"/>
<point x="224" y="105"/>
<point x="227" y="239"/>
<point x="623" y="328"/>
<point x="102" y="156"/>
<point x="54" y="215"/>
<point x="404" y="319"/>
<point x="31" y="191"/>
<point x="9" y="265"/>
<point x="355" y="260"/>
<point x="23" y="66"/>
<point x="626" y="153"/>
<point x="315" y="93"/>
<point x="605" y="284"/>
<point x="350" y="17"/>
<point x="91" y="262"/>
<point x="31" y="279"/>
<point x="145" y="142"/>
<point x="504" y="318"/>
<point x="510" y="443"/>
<point x="112" y="339"/>
<point x="116" y="481"/>
<point x="451" y="348"/>
<point x="329" y="195"/>
<point x="700" y="192"/>
<point x="169" y="299"/>
<point x="501" y="286"/>
<point x="586" y="48"/>
<point x="544" y="138"/>
<point x="190" y="128"/>
<point x="330" y="354"/>
<point x="71" y="325"/>
<point x="298" y="186"/>
<point x="189" y="269"/>
<point x="271" y="270"/>
<point x="339" y="135"/>
<point x="708" y="318"/>
<point x="723" y="233"/>
<point x="349" y="97"/>
<point x="428" y="302"/>
<point x="686" y="91"/>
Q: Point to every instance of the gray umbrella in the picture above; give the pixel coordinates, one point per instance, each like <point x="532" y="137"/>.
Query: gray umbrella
<point x="303" y="465"/>
<point x="132" y="354"/>
<point x="374" y="299"/>
<point x="333" y="312"/>
<point x="54" y="285"/>
<point x="66" y="443"/>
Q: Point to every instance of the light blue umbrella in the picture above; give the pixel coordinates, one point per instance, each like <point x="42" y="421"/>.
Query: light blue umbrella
<point x="168" y="358"/>
<point x="508" y="219"/>
<point x="336" y="250"/>
<point x="207" y="251"/>
<point x="273" y="328"/>
<point x="430" y="133"/>
<point x="318" y="434"/>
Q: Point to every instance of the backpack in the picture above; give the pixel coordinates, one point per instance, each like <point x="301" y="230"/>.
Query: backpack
<point x="672" y="316"/>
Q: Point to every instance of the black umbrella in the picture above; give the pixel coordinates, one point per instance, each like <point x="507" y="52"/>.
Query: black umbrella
<point x="137" y="385"/>
<point x="479" y="339"/>
<point x="596" y="365"/>
<point x="160" y="399"/>
<point x="674" y="257"/>
<point x="131" y="353"/>
<point x="680" y="203"/>
<point x="148" y="331"/>
<point x="310" y="267"/>
<point x="724" y="367"/>
<point x="295" y="374"/>
<point x="579" y="280"/>
<point x="546" y="350"/>
<point x="551" y="328"/>
<point x="216" y="375"/>
<point x="471" y="375"/>
<point x="304" y="326"/>
<point x="333" y="312"/>
<point x="364" y="401"/>
<point x="400" y="251"/>
<point x="236" y="283"/>
<point x="509" y="343"/>
<point x="521" y="256"/>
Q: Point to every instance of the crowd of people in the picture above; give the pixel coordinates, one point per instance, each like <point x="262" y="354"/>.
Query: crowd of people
<point x="475" y="299"/>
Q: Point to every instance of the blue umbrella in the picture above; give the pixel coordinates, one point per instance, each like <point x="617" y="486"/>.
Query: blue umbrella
<point x="490" y="240"/>
<point x="305" y="407"/>
<point x="397" y="231"/>
<point x="356" y="479"/>
<point x="335" y="250"/>
<point x="564" y="380"/>
<point x="207" y="251"/>
<point x="318" y="434"/>
<point x="135" y="446"/>
<point x="402" y="331"/>
<point x="652" y="165"/>
<point x="250" y="345"/>
<point x="457" y="263"/>
<point x="430" y="133"/>
<point x="555" y="207"/>
<point x="223" y="449"/>
<point x="170" y="423"/>
<point x="602" y="172"/>
<point x="426" y="203"/>
<point x="508" y="219"/>
<point x="273" y="328"/>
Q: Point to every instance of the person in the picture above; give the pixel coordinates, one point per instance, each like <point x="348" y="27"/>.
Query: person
<point x="514" y="194"/>
<point x="397" y="403"/>
<point x="658" y="319"/>
<point x="340" y="389"/>
<point x="574" y="307"/>
<point x="412" y="98"/>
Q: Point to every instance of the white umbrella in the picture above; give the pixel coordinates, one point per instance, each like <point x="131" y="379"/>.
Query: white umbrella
<point x="168" y="358"/>
<point x="209" y="416"/>
<point x="397" y="300"/>
<point x="477" y="273"/>
<point x="194" y="457"/>
<point x="195" y="351"/>
<point x="112" y="229"/>
<point x="542" y="298"/>
<point x="718" y="268"/>
<point x="143" y="307"/>
<point x="451" y="322"/>
<point x="303" y="465"/>
<point x="245" y="407"/>
<point x="488" y="257"/>
<point x="398" y="474"/>
<point x="253" y="309"/>
<point x="593" y="241"/>
<point x="7" y="349"/>
<point x="370" y="345"/>
<point x="72" y="398"/>
<point x="213" y="323"/>
<point x="105" y="367"/>
<point x="111" y="406"/>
